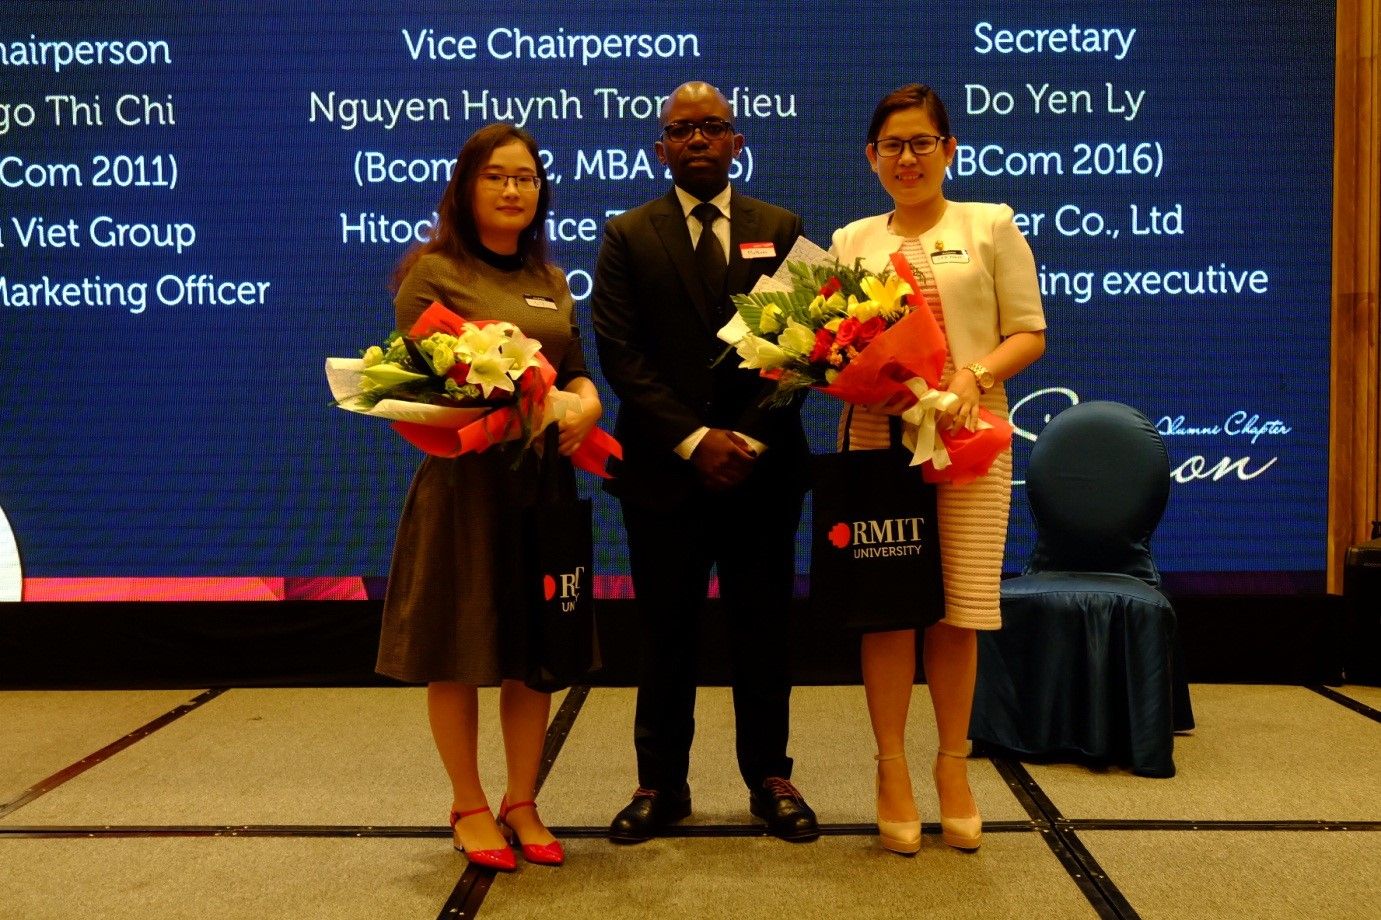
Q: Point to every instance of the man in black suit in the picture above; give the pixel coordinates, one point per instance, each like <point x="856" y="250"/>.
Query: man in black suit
<point x="709" y="476"/>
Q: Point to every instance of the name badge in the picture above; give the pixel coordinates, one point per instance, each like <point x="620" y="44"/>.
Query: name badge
<point x="757" y="250"/>
<point x="541" y="303"/>
<point x="949" y="257"/>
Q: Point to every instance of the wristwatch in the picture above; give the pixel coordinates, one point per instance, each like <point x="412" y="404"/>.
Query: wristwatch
<point x="984" y="376"/>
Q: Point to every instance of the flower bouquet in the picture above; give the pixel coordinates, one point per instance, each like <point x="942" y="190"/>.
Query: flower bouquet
<point x="452" y="386"/>
<point x="865" y="338"/>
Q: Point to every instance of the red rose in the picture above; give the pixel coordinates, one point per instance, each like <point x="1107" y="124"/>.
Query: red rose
<point x="830" y="288"/>
<point x="868" y="331"/>
<point x="458" y="372"/>
<point x="848" y="331"/>
<point x="823" y="340"/>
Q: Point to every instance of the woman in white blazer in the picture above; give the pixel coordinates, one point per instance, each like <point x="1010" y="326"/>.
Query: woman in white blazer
<point x="977" y="273"/>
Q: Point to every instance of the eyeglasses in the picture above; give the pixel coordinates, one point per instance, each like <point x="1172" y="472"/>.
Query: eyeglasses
<point x="497" y="182"/>
<point x="711" y="128"/>
<point x="920" y="145"/>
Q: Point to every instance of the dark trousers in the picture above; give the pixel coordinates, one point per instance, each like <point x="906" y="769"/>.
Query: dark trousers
<point x="750" y="538"/>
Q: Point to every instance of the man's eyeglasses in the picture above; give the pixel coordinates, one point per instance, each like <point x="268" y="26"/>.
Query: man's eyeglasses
<point x="711" y="128"/>
<point x="497" y="182"/>
<point x="920" y="145"/>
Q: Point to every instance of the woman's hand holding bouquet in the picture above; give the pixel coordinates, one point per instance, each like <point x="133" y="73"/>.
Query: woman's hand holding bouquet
<point x="868" y="339"/>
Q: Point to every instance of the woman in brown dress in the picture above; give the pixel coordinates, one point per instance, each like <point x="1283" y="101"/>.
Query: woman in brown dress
<point x="446" y="610"/>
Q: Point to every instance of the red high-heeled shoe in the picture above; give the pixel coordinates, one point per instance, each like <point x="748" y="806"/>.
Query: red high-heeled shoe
<point x="501" y="858"/>
<point x="543" y="854"/>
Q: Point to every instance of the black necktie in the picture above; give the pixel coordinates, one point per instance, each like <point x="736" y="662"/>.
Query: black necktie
<point x="709" y="255"/>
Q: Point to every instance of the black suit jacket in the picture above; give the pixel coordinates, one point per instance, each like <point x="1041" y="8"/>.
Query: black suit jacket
<point x="655" y="328"/>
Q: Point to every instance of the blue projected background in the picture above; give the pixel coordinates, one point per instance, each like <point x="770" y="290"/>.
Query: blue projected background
<point x="197" y="207"/>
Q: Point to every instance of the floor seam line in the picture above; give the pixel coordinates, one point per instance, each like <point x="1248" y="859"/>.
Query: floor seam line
<point x="711" y="831"/>
<point x="1102" y="893"/>
<point x="1346" y="701"/>
<point x="72" y="771"/>
<point x="1189" y="825"/>
<point x="573" y="831"/>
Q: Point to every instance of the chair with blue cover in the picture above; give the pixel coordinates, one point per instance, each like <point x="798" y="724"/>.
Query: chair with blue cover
<point x="1087" y="666"/>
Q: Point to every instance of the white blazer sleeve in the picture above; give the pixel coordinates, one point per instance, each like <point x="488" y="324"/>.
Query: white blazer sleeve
<point x="1014" y="278"/>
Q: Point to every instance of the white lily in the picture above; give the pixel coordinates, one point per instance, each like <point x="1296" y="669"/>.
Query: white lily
<point x="522" y="351"/>
<point x="734" y="330"/>
<point x="387" y="375"/>
<point x="490" y="371"/>
<point x="478" y="341"/>
<point x="760" y="354"/>
<point x="797" y="339"/>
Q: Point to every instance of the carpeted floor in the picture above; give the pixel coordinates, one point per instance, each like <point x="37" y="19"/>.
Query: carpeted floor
<point x="330" y="803"/>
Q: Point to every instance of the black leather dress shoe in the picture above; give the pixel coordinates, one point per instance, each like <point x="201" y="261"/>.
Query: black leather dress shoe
<point x="650" y="811"/>
<point x="784" y="809"/>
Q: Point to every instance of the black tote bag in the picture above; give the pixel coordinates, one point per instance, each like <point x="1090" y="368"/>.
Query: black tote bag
<point x="875" y="540"/>
<point x="559" y="641"/>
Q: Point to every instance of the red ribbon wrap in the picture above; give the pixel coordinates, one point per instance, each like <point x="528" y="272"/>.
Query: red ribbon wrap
<point x="498" y="424"/>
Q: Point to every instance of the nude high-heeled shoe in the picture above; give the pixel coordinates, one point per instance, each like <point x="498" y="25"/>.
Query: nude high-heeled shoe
<point x="902" y="837"/>
<point x="960" y="833"/>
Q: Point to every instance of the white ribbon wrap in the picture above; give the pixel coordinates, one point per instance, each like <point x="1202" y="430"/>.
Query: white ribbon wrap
<point x="919" y="430"/>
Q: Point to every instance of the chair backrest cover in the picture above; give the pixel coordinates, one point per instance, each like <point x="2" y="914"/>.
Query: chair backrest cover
<point x="1097" y="483"/>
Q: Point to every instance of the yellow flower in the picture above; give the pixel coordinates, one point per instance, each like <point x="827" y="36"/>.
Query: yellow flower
<point x="862" y="310"/>
<point x="769" y="320"/>
<point x="833" y="325"/>
<point x="442" y="358"/>
<point x="886" y="294"/>
<point x="821" y="306"/>
<point x="372" y="355"/>
<point x="397" y="350"/>
<point x="438" y="340"/>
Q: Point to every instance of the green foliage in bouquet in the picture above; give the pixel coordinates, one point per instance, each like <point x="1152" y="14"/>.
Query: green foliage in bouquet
<point x="813" y="286"/>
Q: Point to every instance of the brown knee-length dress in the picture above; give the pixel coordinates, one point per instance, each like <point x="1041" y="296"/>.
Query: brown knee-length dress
<point x="455" y="559"/>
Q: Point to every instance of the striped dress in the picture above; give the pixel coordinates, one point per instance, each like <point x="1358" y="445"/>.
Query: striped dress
<point x="973" y="517"/>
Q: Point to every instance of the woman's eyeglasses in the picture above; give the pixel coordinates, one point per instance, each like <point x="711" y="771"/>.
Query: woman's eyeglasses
<point x="497" y="182"/>
<point x="713" y="129"/>
<point x="920" y="145"/>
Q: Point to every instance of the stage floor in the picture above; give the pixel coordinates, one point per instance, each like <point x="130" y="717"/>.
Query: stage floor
<point x="330" y="803"/>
